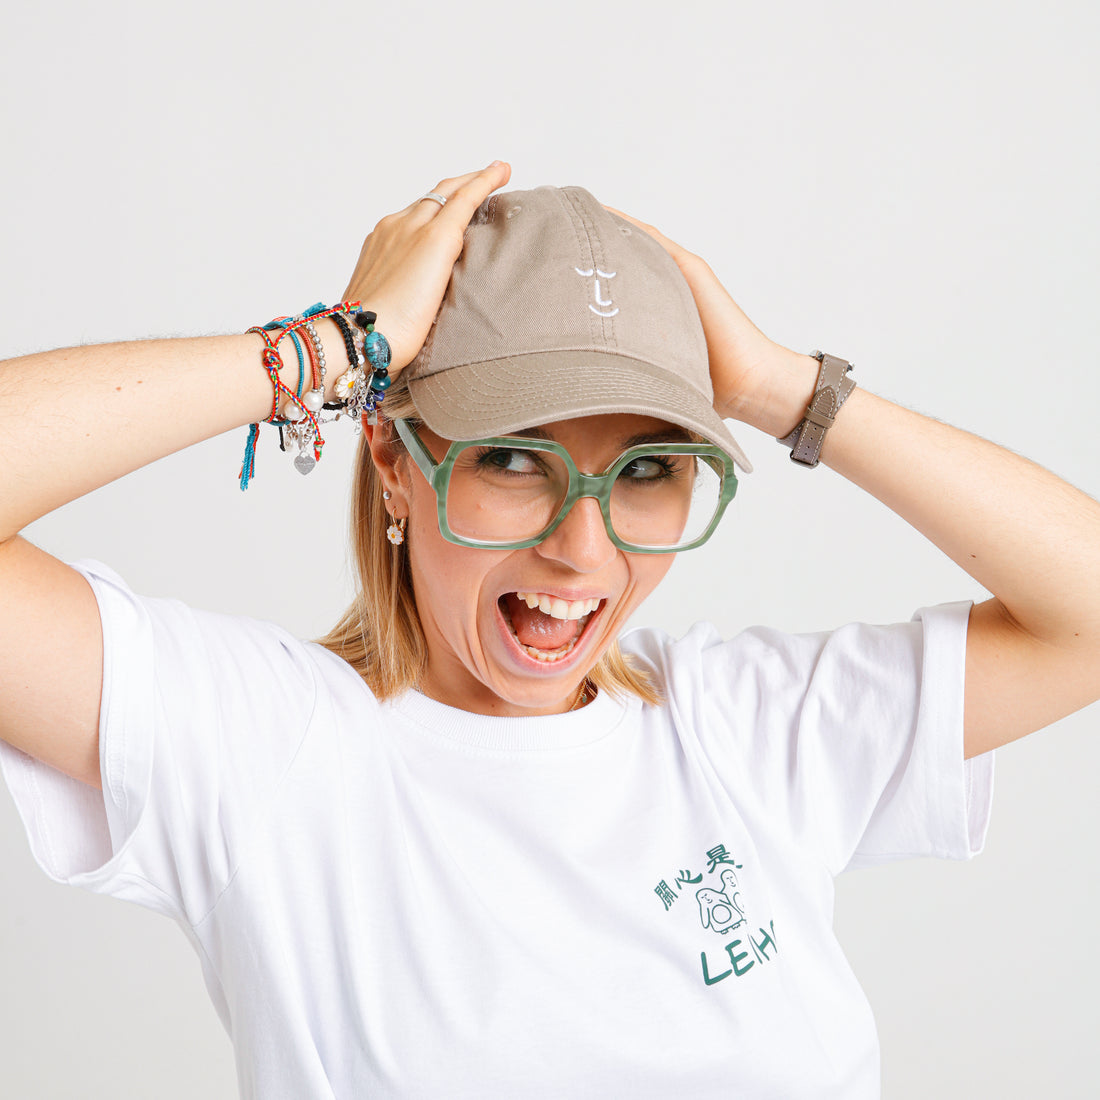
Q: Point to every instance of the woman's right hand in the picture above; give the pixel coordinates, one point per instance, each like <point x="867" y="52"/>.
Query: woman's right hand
<point x="127" y="404"/>
<point x="405" y="263"/>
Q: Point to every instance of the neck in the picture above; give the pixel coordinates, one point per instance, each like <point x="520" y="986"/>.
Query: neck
<point x="472" y="695"/>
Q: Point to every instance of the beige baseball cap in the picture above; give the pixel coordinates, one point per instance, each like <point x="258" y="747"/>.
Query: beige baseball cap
<point x="558" y="308"/>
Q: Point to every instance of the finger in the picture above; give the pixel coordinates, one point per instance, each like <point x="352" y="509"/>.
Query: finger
<point x="470" y="194"/>
<point x="677" y="251"/>
<point x="634" y="221"/>
<point x="446" y="188"/>
<point x="451" y="187"/>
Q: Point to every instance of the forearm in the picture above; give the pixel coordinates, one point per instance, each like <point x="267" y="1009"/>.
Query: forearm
<point x="1024" y="534"/>
<point x="74" y="419"/>
<point x="1033" y="651"/>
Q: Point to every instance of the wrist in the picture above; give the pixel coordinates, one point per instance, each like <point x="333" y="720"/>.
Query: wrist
<point x="336" y="360"/>
<point x="780" y="386"/>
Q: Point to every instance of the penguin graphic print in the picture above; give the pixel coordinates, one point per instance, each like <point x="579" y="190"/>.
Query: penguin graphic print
<point x="718" y="911"/>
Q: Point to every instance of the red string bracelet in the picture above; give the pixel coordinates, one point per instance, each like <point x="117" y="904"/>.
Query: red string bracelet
<point x="273" y="364"/>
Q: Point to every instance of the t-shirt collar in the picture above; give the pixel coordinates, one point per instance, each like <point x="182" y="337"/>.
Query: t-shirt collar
<point x="593" y="722"/>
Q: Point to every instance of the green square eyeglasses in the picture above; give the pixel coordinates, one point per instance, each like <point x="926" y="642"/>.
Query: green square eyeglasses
<point x="511" y="492"/>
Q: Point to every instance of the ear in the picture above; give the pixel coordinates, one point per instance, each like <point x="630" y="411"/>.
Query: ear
<point x="392" y="463"/>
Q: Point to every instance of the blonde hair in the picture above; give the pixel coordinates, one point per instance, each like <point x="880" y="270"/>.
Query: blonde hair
<point x="380" y="634"/>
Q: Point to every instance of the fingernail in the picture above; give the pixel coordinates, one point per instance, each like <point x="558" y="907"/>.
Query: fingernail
<point x="495" y="163"/>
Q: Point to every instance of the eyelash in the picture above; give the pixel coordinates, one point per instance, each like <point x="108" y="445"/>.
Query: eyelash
<point x="660" y="460"/>
<point x="483" y="457"/>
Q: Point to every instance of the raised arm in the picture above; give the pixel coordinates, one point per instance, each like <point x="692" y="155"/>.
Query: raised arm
<point x="75" y="419"/>
<point x="118" y="407"/>
<point x="1033" y="650"/>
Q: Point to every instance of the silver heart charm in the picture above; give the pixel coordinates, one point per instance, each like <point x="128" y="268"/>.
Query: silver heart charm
<point x="304" y="462"/>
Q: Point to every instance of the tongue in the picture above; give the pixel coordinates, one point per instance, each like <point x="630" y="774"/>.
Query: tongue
<point x="534" y="628"/>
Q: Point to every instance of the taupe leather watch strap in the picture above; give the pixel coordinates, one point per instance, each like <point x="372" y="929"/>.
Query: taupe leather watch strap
<point x="833" y="387"/>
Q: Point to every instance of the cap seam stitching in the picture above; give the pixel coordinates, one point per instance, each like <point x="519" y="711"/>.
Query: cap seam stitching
<point x="617" y="354"/>
<point x="578" y="219"/>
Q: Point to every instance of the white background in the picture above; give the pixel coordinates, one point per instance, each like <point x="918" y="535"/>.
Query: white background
<point x="912" y="187"/>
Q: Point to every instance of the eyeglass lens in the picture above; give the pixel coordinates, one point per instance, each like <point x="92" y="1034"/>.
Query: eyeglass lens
<point x="506" y="495"/>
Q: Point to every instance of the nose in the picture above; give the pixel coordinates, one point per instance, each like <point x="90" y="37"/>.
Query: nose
<point x="580" y="541"/>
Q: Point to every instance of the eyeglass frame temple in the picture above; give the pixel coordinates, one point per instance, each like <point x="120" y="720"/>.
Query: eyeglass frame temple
<point x="580" y="485"/>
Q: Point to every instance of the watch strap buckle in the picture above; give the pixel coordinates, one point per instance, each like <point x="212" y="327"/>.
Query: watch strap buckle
<point x="830" y="393"/>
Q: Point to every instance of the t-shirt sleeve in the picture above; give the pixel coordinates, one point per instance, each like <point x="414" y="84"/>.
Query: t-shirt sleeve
<point x="852" y="739"/>
<point x="200" y="718"/>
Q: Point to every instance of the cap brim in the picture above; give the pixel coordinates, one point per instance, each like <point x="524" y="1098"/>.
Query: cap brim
<point x="477" y="400"/>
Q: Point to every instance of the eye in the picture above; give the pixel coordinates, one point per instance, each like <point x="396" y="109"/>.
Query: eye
<point x="648" y="468"/>
<point x="505" y="460"/>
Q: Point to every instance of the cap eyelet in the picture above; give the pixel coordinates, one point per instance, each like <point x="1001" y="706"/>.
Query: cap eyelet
<point x="624" y="230"/>
<point x="513" y="212"/>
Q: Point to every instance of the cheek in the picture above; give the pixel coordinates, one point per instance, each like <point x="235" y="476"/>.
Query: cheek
<point x="424" y="537"/>
<point x="447" y="578"/>
<point x="439" y="570"/>
<point x="426" y="545"/>
<point x="647" y="571"/>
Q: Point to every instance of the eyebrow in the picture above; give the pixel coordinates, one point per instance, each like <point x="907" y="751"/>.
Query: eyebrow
<point x="672" y="434"/>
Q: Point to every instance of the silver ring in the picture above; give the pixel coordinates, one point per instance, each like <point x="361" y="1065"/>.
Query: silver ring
<point x="434" y="195"/>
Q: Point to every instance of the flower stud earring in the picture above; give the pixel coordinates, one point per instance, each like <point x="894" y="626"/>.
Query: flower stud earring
<point x="396" y="531"/>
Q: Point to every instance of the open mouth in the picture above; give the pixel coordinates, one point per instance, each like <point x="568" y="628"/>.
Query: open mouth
<point x="546" y="627"/>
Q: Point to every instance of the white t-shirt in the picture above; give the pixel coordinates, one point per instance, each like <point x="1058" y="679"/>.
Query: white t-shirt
<point x="407" y="900"/>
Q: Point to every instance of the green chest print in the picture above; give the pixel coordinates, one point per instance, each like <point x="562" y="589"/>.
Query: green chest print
<point x="721" y="910"/>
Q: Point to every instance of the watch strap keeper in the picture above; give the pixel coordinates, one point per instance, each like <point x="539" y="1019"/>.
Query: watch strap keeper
<point x="832" y="390"/>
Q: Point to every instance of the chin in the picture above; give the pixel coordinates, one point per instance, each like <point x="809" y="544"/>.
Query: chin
<point x="540" y="696"/>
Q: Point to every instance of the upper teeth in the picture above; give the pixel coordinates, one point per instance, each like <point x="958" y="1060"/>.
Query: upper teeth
<point x="556" y="607"/>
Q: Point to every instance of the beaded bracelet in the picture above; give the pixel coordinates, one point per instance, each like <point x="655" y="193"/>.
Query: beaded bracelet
<point x="363" y="391"/>
<point x="297" y="433"/>
<point x="355" y="359"/>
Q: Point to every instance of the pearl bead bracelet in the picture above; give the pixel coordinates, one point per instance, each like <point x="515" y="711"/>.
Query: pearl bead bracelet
<point x="300" y="422"/>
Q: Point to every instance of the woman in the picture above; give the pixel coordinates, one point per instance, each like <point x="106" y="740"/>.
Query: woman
<point x="471" y="846"/>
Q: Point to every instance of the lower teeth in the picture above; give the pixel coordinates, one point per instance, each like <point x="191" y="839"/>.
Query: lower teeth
<point x="548" y="654"/>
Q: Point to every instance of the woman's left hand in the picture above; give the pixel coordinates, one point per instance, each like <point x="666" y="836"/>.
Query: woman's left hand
<point x="755" y="380"/>
<point x="1033" y="651"/>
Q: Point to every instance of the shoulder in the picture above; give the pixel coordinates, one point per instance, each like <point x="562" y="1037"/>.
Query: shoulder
<point x="184" y="649"/>
<point x="772" y="659"/>
<point x="704" y="646"/>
